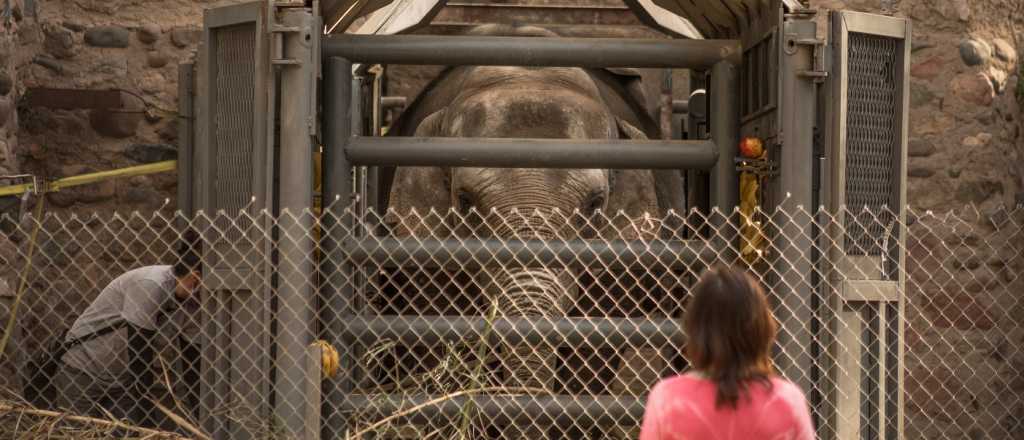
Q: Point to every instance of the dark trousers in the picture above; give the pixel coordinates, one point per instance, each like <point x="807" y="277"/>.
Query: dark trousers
<point x="79" y="393"/>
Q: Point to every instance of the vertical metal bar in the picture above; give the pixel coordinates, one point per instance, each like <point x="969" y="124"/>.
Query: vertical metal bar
<point x="337" y="194"/>
<point x="295" y="295"/>
<point x="796" y="161"/>
<point x="724" y="183"/>
<point x="185" y="132"/>
<point x="902" y="227"/>
<point x="213" y="361"/>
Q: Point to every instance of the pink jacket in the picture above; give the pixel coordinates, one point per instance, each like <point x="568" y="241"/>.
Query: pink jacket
<point x="683" y="408"/>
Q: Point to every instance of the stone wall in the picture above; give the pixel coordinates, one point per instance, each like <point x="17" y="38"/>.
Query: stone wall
<point x="132" y="45"/>
<point x="11" y="15"/>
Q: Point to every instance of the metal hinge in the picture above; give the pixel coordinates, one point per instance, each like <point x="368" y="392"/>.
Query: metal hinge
<point x="818" y="73"/>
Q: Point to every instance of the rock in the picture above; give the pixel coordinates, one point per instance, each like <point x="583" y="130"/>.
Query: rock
<point x="963" y="9"/>
<point x="985" y="138"/>
<point x="998" y="79"/>
<point x="59" y="252"/>
<point x="987" y="118"/>
<point x="58" y="41"/>
<point x="72" y="26"/>
<point x="108" y="36"/>
<point x="6" y="110"/>
<point x="112" y="67"/>
<point x="114" y="124"/>
<point x="920" y="172"/>
<point x="6" y="83"/>
<point x="86" y="194"/>
<point x="920" y="148"/>
<point x="1004" y="51"/>
<point x="971" y="142"/>
<point x="169" y="132"/>
<point x="973" y="88"/>
<point x="48" y="63"/>
<point x="920" y="95"/>
<point x="149" y="153"/>
<point x="964" y="258"/>
<point x="140" y="194"/>
<point x="998" y="217"/>
<point x="929" y="68"/>
<point x="148" y="33"/>
<point x="183" y="37"/>
<point x="954" y="172"/>
<point x="977" y="191"/>
<point x="975" y="52"/>
<point x="156" y="59"/>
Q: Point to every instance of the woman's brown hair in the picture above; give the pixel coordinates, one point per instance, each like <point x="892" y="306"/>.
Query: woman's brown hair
<point x="730" y="331"/>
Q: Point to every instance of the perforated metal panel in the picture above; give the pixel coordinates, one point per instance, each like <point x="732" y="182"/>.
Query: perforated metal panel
<point x="235" y="82"/>
<point x="873" y="141"/>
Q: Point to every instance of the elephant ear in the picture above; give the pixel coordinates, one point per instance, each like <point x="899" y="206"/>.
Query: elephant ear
<point x="668" y="184"/>
<point x="419" y="189"/>
<point x="631" y="191"/>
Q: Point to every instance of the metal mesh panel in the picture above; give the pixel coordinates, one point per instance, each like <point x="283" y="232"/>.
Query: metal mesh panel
<point x="234" y="87"/>
<point x="468" y="325"/>
<point x="873" y="136"/>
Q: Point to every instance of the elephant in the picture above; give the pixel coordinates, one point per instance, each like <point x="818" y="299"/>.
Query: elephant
<point x="509" y="203"/>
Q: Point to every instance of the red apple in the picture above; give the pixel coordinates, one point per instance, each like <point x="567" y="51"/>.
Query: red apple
<point x="751" y="148"/>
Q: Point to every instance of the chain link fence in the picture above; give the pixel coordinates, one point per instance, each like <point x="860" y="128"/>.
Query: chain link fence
<point x="539" y="324"/>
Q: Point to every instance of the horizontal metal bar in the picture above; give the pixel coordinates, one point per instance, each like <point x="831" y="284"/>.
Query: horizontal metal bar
<point x="73" y="99"/>
<point x="388" y="102"/>
<point x="680" y="105"/>
<point x="542" y="410"/>
<point x="475" y="253"/>
<point x="531" y="51"/>
<point x="478" y="13"/>
<point x="532" y="153"/>
<point x="594" y="332"/>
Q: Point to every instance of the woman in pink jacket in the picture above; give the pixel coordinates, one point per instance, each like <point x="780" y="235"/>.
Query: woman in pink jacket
<point x="732" y="392"/>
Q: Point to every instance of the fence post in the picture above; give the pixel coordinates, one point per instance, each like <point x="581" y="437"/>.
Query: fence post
<point x="336" y="290"/>
<point x="295" y="293"/>
<point x="793" y="264"/>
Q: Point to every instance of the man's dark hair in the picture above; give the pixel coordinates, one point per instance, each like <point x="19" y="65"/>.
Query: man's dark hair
<point x="189" y="254"/>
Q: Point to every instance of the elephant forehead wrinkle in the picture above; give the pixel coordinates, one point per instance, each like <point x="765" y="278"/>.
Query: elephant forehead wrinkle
<point x="553" y="78"/>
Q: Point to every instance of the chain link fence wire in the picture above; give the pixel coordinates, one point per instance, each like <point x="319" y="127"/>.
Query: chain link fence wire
<point x="517" y="324"/>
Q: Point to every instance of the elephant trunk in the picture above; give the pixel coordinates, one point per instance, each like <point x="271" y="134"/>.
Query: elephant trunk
<point x="536" y="293"/>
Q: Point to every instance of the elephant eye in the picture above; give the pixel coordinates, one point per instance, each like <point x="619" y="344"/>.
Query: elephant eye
<point x="465" y="201"/>
<point x="594" y="203"/>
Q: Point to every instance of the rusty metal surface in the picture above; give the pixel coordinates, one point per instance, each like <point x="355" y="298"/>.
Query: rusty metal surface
<point x="73" y="99"/>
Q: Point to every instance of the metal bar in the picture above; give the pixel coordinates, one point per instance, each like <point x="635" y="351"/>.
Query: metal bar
<point x="185" y="133"/>
<point x="393" y="102"/>
<point x="473" y="253"/>
<point x="337" y="192"/>
<point x="724" y="120"/>
<point x="477" y="13"/>
<point x="532" y="153"/>
<point x="74" y="99"/>
<point x="592" y="332"/>
<point x="531" y="51"/>
<point x="680" y="106"/>
<point x="794" y="218"/>
<point x="295" y="295"/>
<point x="544" y="410"/>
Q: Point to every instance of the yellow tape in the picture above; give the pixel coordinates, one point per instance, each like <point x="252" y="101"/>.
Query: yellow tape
<point x="85" y="179"/>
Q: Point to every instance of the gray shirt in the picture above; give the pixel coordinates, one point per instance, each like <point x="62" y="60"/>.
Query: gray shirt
<point x="143" y="297"/>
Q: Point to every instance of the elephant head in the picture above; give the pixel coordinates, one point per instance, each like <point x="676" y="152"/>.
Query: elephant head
<point x="520" y="102"/>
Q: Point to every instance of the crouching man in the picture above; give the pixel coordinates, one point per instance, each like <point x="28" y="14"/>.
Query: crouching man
<point x="108" y="367"/>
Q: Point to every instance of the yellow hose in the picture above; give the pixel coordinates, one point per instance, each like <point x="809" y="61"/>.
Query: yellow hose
<point x="84" y="179"/>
